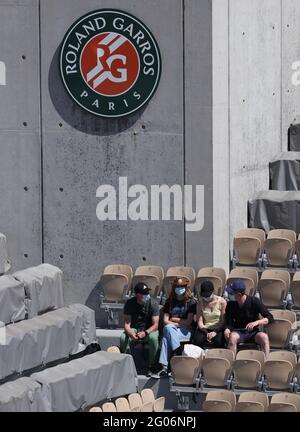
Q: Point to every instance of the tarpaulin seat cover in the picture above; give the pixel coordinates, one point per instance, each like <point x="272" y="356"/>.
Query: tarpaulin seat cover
<point x="43" y="287"/>
<point x="85" y="381"/>
<point x="42" y="339"/>
<point x="294" y="137"/>
<point x="275" y="210"/>
<point x="88" y="325"/>
<point x="285" y="172"/>
<point x="4" y="264"/>
<point x="21" y="395"/>
<point x="12" y="300"/>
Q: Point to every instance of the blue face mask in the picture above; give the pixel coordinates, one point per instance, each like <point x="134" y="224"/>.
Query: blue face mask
<point x="179" y="291"/>
<point x="231" y="297"/>
<point x="146" y="297"/>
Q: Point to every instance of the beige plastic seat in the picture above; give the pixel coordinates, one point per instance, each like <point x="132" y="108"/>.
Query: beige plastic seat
<point x="279" y="246"/>
<point x="273" y="287"/>
<point x="280" y="331"/>
<point x="122" y="405"/>
<point x="185" y="370"/>
<point x="116" y="282"/>
<point x="148" y="396"/>
<point x="248" y="276"/>
<point x="285" y="402"/>
<point x="147" y="407"/>
<point x="279" y="370"/>
<point x="95" y="409"/>
<point x="216" y="367"/>
<point x="252" y="401"/>
<point x="219" y="401"/>
<point x="151" y="276"/>
<point x="248" y="368"/>
<point x="248" y="245"/>
<point x="295" y="287"/>
<point x="135" y="401"/>
<point x="135" y="409"/>
<point x="109" y="407"/>
<point x="173" y="272"/>
<point x="217" y="276"/>
<point x="113" y="349"/>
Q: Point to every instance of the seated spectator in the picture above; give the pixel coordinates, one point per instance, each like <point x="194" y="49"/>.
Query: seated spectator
<point x="141" y="316"/>
<point x="210" y="313"/>
<point x="178" y="318"/>
<point x="242" y="319"/>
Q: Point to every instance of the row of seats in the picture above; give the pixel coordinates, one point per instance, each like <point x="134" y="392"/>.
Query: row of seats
<point x="280" y="247"/>
<point x="225" y="401"/>
<point x="273" y="287"/>
<point x="143" y="402"/>
<point x="248" y="370"/>
<point x="30" y="292"/>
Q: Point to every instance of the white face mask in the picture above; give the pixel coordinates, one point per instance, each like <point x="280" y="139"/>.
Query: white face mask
<point x="146" y="297"/>
<point x="179" y="291"/>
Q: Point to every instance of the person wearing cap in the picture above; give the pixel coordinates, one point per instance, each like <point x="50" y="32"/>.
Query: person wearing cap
<point x="141" y="316"/>
<point x="210" y="313"/>
<point x="177" y="318"/>
<point x="242" y="318"/>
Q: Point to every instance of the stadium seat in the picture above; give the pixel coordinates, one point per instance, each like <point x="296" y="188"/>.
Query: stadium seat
<point x="248" y="246"/>
<point x="113" y="349"/>
<point x="285" y="402"/>
<point x="115" y="284"/>
<point x="95" y="409"/>
<point x="279" y="370"/>
<point x="295" y="290"/>
<point x="248" y="276"/>
<point x="247" y="369"/>
<point x="109" y="407"/>
<point x="216" y="276"/>
<point x="147" y="407"/>
<point x="273" y="287"/>
<point x="135" y="401"/>
<point x="172" y="272"/>
<point x="219" y="401"/>
<point x="21" y="395"/>
<point x="151" y="276"/>
<point x="279" y="247"/>
<point x="216" y="367"/>
<point x="148" y="396"/>
<point x="12" y="297"/>
<point x="252" y="402"/>
<point x="122" y="405"/>
<point x="185" y="370"/>
<point x="281" y="330"/>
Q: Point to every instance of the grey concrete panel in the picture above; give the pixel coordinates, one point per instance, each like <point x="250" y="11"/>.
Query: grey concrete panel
<point x="290" y="54"/>
<point x="87" y="152"/>
<point x="255" y="100"/>
<point x="20" y="208"/>
<point x="19" y="50"/>
<point x="198" y="122"/>
<point x="79" y="164"/>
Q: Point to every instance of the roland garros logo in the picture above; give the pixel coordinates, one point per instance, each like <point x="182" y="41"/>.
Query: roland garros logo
<point x="110" y="63"/>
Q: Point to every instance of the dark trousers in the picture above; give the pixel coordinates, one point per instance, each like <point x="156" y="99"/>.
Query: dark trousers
<point x="200" y="339"/>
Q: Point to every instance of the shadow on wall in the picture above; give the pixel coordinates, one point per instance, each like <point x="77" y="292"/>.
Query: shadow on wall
<point x="75" y="116"/>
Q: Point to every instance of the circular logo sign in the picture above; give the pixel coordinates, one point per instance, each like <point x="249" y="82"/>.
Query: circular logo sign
<point x="110" y="63"/>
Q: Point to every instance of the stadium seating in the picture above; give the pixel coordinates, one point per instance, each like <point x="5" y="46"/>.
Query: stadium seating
<point x="215" y="275"/>
<point x="109" y="407"/>
<point x="172" y="272"/>
<point x="12" y="299"/>
<point x="219" y="401"/>
<point x="113" y="349"/>
<point x="95" y="409"/>
<point x="247" y="369"/>
<point x="185" y="370"/>
<point x="273" y="287"/>
<point x="252" y="402"/>
<point x="279" y="370"/>
<point x="285" y="402"/>
<point x="295" y="291"/>
<point x="279" y="247"/>
<point x="21" y="395"/>
<point x="158" y="404"/>
<point x="216" y="368"/>
<point x="248" y="247"/>
<point x="248" y="276"/>
<point x="280" y="331"/>
<point x="151" y="276"/>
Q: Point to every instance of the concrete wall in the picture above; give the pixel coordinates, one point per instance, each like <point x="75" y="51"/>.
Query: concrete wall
<point x="259" y="99"/>
<point x="64" y="153"/>
<point x="20" y="144"/>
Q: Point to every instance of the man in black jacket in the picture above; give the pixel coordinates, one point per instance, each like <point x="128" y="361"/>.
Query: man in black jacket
<point x="242" y="318"/>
